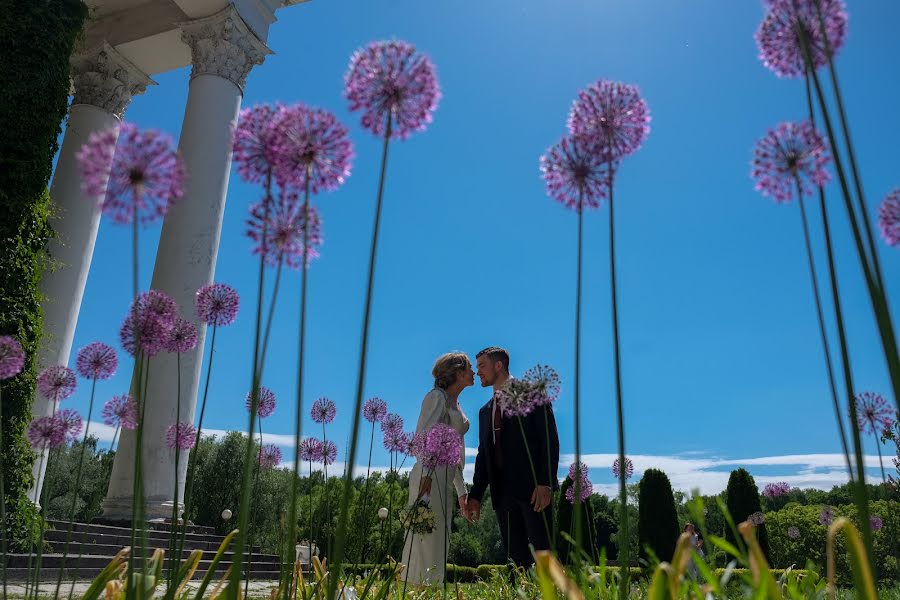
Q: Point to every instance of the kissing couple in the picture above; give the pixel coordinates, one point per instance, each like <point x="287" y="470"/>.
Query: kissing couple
<point x="518" y="458"/>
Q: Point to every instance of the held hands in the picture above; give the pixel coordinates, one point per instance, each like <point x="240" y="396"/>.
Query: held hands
<point x="540" y="498"/>
<point x="463" y="507"/>
<point x="473" y="510"/>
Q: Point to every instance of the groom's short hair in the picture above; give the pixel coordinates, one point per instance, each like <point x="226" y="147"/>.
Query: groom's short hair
<point x="496" y="353"/>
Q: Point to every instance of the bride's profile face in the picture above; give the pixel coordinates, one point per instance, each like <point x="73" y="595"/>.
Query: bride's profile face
<point x="466" y="376"/>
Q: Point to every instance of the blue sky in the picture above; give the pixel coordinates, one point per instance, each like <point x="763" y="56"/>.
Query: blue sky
<point x="720" y="349"/>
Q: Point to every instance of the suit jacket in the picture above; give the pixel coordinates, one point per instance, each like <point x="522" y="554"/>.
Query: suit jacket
<point x="537" y="437"/>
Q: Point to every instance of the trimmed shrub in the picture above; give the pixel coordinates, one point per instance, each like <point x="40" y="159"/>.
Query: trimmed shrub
<point x="742" y="500"/>
<point x="565" y="527"/>
<point x="657" y="518"/>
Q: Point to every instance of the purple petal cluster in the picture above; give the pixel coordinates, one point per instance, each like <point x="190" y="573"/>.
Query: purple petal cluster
<point x="793" y="532"/>
<point x="778" y="36"/>
<point x="611" y="116"/>
<point x="417" y="445"/>
<point x="265" y="404"/>
<point x="757" y="518"/>
<point x="520" y="397"/>
<point x="544" y="381"/>
<point x="56" y="383"/>
<point x="253" y="151"/>
<point x="826" y="517"/>
<point x="777" y="490"/>
<point x="442" y="446"/>
<point x="182" y="337"/>
<point x="329" y="452"/>
<point x="374" y="410"/>
<point x="392" y="78"/>
<point x="138" y="173"/>
<point x="889" y="218"/>
<point x="617" y="470"/>
<point x="876" y="523"/>
<point x="121" y="411"/>
<point x="575" y="173"/>
<point x="578" y="474"/>
<point x="217" y="304"/>
<point x="12" y="357"/>
<point x="269" y="456"/>
<point x="71" y="423"/>
<point x="323" y="410"/>
<point x="97" y="361"/>
<point x="396" y="440"/>
<point x="180" y="435"/>
<point x="311" y="450"/>
<point x="45" y="432"/>
<point x="873" y="413"/>
<point x="277" y="227"/>
<point x="148" y="323"/>
<point x="792" y="152"/>
<point x="578" y="469"/>
<point x="391" y="422"/>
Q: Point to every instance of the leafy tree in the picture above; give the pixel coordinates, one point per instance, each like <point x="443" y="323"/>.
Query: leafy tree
<point x="657" y="520"/>
<point x="60" y="480"/>
<point x="742" y="499"/>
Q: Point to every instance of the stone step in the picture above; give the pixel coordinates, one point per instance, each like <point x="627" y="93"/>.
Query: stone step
<point x="76" y="548"/>
<point x="20" y="575"/>
<point x="157" y="525"/>
<point x="150" y="532"/>
<point x="122" y="538"/>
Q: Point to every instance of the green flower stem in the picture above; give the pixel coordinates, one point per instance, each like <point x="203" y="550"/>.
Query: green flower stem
<point x="175" y="559"/>
<point x="577" y="385"/>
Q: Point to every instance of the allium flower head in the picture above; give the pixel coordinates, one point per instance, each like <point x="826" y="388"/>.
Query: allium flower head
<point x="97" y="361"/>
<point x="278" y="231"/>
<point x="826" y="517"/>
<point x="873" y="413"/>
<point x="71" y="423"/>
<point x="143" y="333"/>
<point x="518" y="398"/>
<point x="156" y="304"/>
<point x="417" y="445"/>
<point x="12" y="357"/>
<point x="217" y="304"/>
<point x="629" y="468"/>
<point x="575" y="173"/>
<point x="311" y="141"/>
<point x="792" y="151"/>
<point x="876" y="523"/>
<point x="323" y="410"/>
<point x="778" y="36"/>
<point x="392" y="78"/>
<point x="374" y="410"/>
<point x="56" y="383"/>
<point x="182" y="337"/>
<point x="180" y="435"/>
<point x="396" y="440"/>
<point x="793" y="532"/>
<point x="45" y="432"/>
<point x="140" y="173"/>
<point x="255" y="154"/>
<point x="612" y="116"/>
<point x="265" y="403"/>
<point x="889" y="218"/>
<point x="544" y="381"/>
<point x="329" y="452"/>
<point x="121" y="411"/>
<point x="442" y="446"/>
<point x="577" y="470"/>
<point x="585" y="488"/>
<point x="777" y="490"/>
<point x="391" y="422"/>
<point x="311" y="450"/>
<point x="757" y="518"/>
<point x="269" y="456"/>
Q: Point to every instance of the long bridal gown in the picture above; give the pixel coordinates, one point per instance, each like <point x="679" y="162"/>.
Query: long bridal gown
<point x="424" y="554"/>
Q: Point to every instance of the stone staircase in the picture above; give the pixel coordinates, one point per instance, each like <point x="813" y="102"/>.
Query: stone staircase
<point x="92" y="546"/>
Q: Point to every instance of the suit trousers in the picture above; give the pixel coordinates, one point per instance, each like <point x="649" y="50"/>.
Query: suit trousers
<point x="521" y="526"/>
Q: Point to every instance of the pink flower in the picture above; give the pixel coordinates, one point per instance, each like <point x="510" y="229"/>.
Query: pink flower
<point x="180" y="435"/>
<point x="519" y="398"/>
<point x="778" y="39"/>
<point x="629" y="468"/>
<point x="97" y="361"/>
<point x="612" y="116"/>
<point x="254" y="153"/>
<point x="265" y="404"/>
<point x="873" y="412"/>
<point x="876" y="523"/>
<point x="793" y="532"/>
<point x="757" y="518"/>
<point x="311" y="450"/>
<point x="391" y="422"/>
<point x="269" y="456"/>
<point x="182" y="337"/>
<point x="121" y="411"/>
<point x="374" y="410"/>
<point x="144" y="334"/>
<point x="544" y="382"/>
<point x="826" y="517"/>
<point x="12" y="358"/>
<point x="70" y="422"/>
<point x="396" y="440"/>
<point x="217" y="304"/>
<point x="792" y="154"/>
<point x="329" y="452"/>
<point x="45" y="432"/>
<point x="56" y="383"/>
<point x="279" y="231"/>
<point x="576" y="174"/>
<point x="323" y="411"/>
<point x="777" y="490"/>
<point x="442" y="446"/>
<point x="889" y="218"/>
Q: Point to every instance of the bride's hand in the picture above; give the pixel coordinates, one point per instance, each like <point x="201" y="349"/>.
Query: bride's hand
<point x="463" y="504"/>
<point x="425" y="486"/>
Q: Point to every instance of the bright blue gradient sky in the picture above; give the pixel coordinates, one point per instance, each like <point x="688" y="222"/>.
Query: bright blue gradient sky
<point x="720" y="350"/>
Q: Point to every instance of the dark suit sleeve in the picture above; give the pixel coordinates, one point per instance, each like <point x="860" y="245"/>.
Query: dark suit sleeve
<point x="480" y="478"/>
<point x="546" y="441"/>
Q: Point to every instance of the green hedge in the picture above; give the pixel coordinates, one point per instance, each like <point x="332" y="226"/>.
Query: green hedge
<point x="37" y="40"/>
<point x="657" y="518"/>
<point x="742" y="499"/>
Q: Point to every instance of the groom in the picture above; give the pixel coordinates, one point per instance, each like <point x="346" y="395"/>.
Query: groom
<point x="521" y="497"/>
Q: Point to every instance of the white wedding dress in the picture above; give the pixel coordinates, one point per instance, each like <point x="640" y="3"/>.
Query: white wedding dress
<point x="424" y="555"/>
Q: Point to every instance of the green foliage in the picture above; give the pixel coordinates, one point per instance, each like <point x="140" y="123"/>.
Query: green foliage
<point x="566" y="535"/>
<point x="657" y="520"/>
<point x="37" y="40"/>
<point x="59" y="482"/>
<point x="742" y="499"/>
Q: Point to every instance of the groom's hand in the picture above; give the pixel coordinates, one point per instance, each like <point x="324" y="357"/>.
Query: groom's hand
<point x="463" y="506"/>
<point x="540" y="498"/>
<point x="473" y="507"/>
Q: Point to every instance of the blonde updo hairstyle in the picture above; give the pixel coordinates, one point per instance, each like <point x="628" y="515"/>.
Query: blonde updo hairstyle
<point x="447" y="367"/>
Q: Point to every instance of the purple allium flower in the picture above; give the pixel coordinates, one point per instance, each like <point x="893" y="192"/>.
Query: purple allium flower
<point x="311" y="140"/>
<point x="12" y="358"/>
<point x="577" y="470"/>
<point x="778" y="36"/>
<point x="826" y="517"/>
<point x="777" y="490"/>
<point x="283" y="228"/>
<point x="45" y="432"/>
<point x="254" y="152"/>
<point x="873" y="413"/>
<point x="391" y="422"/>
<point x="757" y="518"/>
<point x="217" y="304"/>
<point x="544" y="381"/>
<point x="374" y="410"/>
<point x="140" y="173"/>
<point x="97" y="361"/>
<point x="612" y="116"/>
<point x="265" y="405"/>
<point x="269" y="456"/>
<point x="792" y="151"/>
<point x="417" y="445"/>
<point x="876" y="523"/>
<point x="121" y="411"/>
<point x="889" y="218"/>
<point x="311" y="450"/>
<point x="396" y="440"/>
<point x="629" y="468"/>
<point x="392" y="78"/>
<point x="157" y="304"/>
<point x="793" y="532"/>
<point x="56" y="383"/>
<point x="181" y="435"/>
<point x="71" y="423"/>
<point x="442" y="446"/>
<point x="329" y="452"/>
<point x="143" y="333"/>
<point x="323" y="410"/>
<point x="585" y="489"/>
<point x="518" y="398"/>
<point x="182" y="337"/>
<point x="574" y="171"/>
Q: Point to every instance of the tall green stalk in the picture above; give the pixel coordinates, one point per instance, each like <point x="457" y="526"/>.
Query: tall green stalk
<point x="578" y="278"/>
<point x="174" y="558"/>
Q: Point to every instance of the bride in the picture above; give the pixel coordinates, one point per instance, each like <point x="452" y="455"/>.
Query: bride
<point x="424" y="555"/>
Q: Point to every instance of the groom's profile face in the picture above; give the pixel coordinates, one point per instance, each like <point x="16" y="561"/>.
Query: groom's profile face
<point x="487" y="370"/>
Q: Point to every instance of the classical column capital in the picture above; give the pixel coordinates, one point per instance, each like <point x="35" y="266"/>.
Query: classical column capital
<point x="104" y="78"/>
<point x="222" y="44"/>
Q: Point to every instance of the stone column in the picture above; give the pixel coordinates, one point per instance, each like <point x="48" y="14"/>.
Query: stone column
<point x="104" y="83"/>
<point x="223" y="51"/>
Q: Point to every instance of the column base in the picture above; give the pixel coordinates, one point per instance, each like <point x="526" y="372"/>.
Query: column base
<point x="118" y="510"/>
